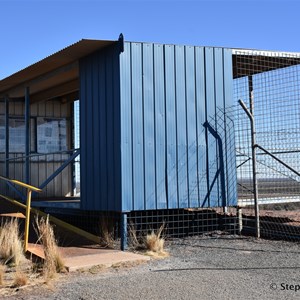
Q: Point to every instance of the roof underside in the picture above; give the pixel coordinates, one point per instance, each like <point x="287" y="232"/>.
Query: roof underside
<point x="54" y="76"/>
<point x="57" y="76"/>
<point x="251" y="62"/>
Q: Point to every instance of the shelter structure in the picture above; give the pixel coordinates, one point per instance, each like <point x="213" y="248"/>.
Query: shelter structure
<point x="155" y="135"/>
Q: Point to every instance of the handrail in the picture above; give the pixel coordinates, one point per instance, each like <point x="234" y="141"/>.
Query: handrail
<point x="22" y="184"/>
<point x="30" y="189"/>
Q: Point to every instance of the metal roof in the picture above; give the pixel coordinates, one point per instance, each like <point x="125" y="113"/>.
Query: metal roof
<point x="58" y="74"/>
<point x="57" y="70"/>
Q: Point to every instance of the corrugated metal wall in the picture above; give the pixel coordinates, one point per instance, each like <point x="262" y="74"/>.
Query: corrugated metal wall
<point x="174" y="137"/>
<point x="153" y="131"/>
<point x="41" y="167"/>
<point x="100" y="130"/>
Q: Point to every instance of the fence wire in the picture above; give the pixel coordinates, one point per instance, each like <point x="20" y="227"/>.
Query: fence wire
<point x="273" y="80"/>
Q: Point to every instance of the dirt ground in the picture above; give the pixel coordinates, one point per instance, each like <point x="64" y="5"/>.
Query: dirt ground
<point x="212" y="266"/>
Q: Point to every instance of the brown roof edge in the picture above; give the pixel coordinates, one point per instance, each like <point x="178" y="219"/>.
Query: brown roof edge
<point x="63" y="57"/>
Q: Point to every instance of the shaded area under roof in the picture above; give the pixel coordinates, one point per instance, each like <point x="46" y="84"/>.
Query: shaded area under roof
<point x="58" y="69"/>
<point x="251" y="62"/>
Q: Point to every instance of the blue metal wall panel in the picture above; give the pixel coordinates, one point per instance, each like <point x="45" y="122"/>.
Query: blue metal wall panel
<point x="102" y="116"/>
<point x="149" y="128"/>
<point x="160" y="134"/>
<point x="95" y="130"/>
<point x="126" y="130"/>
<point x="212" y="178"/>
<point x="99" y="113"/>
<point x="110" y="138"/>
<point x="154" y="133"/>
<point x="219" y="125"/>
<point x="191" y="110"/>
<point x="180" y="89"/>
<point x="173" y="137"/>
<point x="171" y="157"/>
<point x="137" y="126"/>
<point x="201" y="119"/>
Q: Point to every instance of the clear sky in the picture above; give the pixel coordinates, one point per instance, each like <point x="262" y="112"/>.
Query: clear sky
<point x="32" y="30"/>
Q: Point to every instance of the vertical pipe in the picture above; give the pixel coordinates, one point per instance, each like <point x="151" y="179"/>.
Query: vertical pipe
<point x="254" y="171"/>
<point x="27" y="220"/>
<point x="6" y="136"/>
<point x="72" y="136"/>
<point x="27" y="135"/>
<point x="123" y="231"/>
<point x="253" y="148"/>
<point x="240" y="220"/>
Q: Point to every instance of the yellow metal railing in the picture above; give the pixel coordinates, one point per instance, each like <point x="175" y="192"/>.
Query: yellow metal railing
<point x="29" y="189"/>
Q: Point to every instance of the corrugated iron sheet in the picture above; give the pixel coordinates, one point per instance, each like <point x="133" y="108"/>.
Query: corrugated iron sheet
<point x="100" y="130"/>
<point x="151" y="132"/>
<point x="61" y="58"/>
<point x="169" y="158"/>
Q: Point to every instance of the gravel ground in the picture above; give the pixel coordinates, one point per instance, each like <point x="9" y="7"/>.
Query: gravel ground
<point x="209" y="267"/>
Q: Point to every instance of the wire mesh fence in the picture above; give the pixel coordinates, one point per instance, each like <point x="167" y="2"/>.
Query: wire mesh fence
<point x="272" y="81"/>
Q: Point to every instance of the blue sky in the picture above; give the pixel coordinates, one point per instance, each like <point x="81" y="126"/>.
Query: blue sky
<point x="32" y="30"/>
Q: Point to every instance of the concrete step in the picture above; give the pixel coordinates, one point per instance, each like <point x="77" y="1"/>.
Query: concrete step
<point x="84" y="258"/>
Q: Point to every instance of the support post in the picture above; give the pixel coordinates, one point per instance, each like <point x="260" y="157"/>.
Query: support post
<point x="124" y="242"/>
<point x="253" y="148"/>
<point x="6" y="136"/>
<point x="27" y="135"/>
<point x="27" y="220"/>
<point x="240" y="219"/>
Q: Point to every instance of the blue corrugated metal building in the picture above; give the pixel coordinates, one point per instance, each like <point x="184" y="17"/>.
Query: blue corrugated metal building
<point x="153" y="131"/>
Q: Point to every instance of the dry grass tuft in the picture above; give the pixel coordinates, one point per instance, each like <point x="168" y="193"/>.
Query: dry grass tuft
<point x="134" y="241"/>
<point x="2" y="273"/>
<point x="153" y="242"/>
<point x="21" y="279"/>
<point x="53" y="262"/>
<point x="106" y="233"/>
<point x="11" y="250"/>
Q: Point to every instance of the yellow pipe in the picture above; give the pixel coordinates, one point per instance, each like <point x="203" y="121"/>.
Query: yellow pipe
<point x="58" y="222"/>
<point x="27" y="221"/>
<point x="22" y="184"/>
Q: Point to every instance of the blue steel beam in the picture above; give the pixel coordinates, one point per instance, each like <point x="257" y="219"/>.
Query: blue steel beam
<point x="60" y="169"/>
<point x="6" y="136"/>
<point x="23" y="198"/>
<point x="27" y="135"/>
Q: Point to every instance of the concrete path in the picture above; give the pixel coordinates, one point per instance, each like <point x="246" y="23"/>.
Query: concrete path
<point x="86" y="257"/>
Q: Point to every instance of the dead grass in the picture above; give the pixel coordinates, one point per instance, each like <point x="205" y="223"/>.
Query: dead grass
<point x="20" y="279"/>
<point x="53" y="262"/>
<point x="153" y="243"/>
<point x="2" y="273"/>
<point x="128" y="264"/>
<point x="106" y="233"/>
<point x="134" y="241"/>
<point x="11" y="250"/>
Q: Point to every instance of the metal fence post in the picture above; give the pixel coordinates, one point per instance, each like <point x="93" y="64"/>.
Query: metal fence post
<point x="253" y="148"/>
